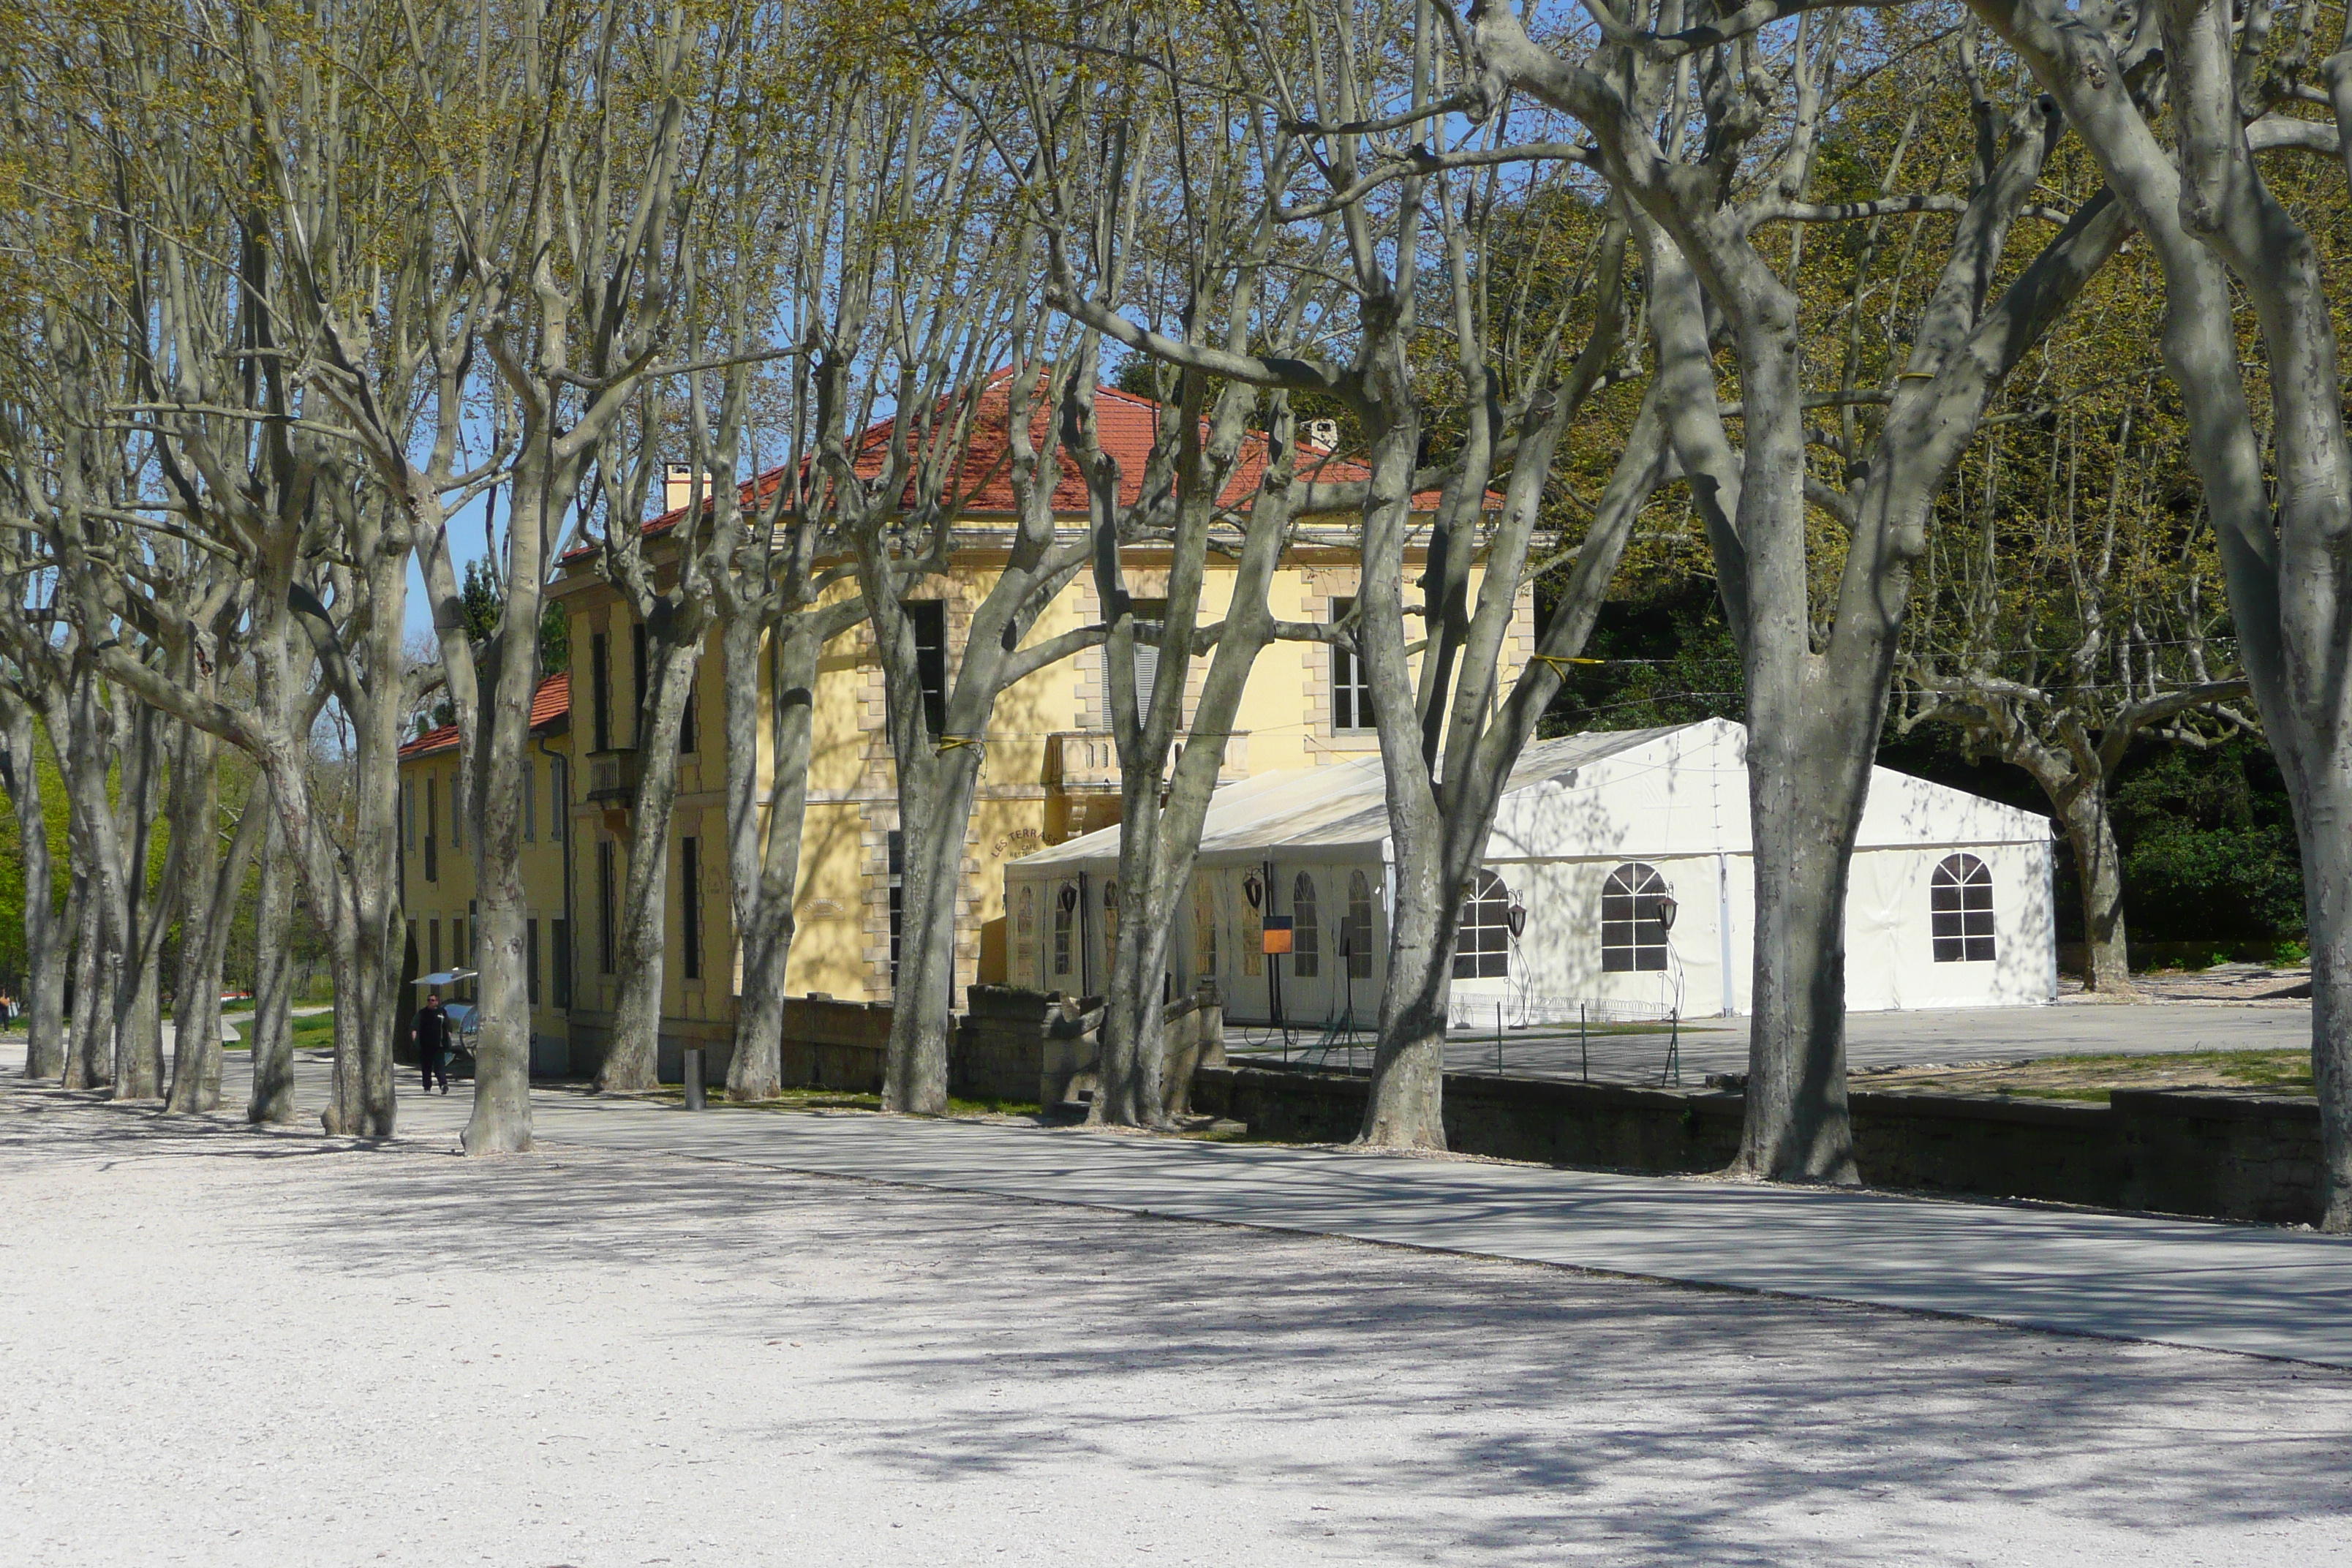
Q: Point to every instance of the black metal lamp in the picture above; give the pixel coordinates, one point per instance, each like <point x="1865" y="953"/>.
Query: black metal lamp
<point x="1665" y="911"/>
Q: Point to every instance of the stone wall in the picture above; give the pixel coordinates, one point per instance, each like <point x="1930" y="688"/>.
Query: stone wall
<point x="1024" y="1045"/>
<point x="2229" y="1156"/>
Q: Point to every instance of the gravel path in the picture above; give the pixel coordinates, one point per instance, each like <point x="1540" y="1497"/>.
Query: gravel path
<point x="225" y="1347"/>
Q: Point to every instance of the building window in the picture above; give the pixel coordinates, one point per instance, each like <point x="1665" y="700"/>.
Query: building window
<point x="930" y="619"/>
<point x="561" y="930"/>
<point x="1150" y="616"/>
<point x="1355" y="933"/>
<point x="1351" y="691"/>
<point x="1024" y="933"/>
<point x="1482" y="951"/>
<point x="1960" y="908"/>
<point x="1065" y="920"/>
<point x="407" y="815"/>
<point x="530" y="800"/>
<point x="531" y="961"/>
<point x="600" y="686"/>
<point x="897" y="850"/>
<point x="1632" y="937"/>
<point x="604" y="906"/>
<point x="559" y="797"/>
<point x="1204" y="931"/>
<point x="456" y="948"/>
<point x="689" y="898"/>
<point x="457" y="814"/>
<point x="432" y="825"/>
<point x="689" y="742"/>
<point x="1305" y="930"/>
<point x="433" y="945"/>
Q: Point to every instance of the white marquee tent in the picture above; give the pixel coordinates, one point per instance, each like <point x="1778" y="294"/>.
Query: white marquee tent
<point x="1951" y="904"/>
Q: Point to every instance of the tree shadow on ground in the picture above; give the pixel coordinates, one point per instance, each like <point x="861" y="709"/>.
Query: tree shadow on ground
<point x="1435" y="1404"/>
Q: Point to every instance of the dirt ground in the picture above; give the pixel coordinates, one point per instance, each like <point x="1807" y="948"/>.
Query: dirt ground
<point x="224" y="1347"/>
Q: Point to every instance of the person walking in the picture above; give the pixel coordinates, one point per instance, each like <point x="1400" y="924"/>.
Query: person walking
<point x="431" y="1032"/>
<point x="7" y="1011"/>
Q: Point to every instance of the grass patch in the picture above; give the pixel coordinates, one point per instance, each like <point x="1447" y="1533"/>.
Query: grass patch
<point x="2092" y="1079"/>
<point x="311" y="1032"/>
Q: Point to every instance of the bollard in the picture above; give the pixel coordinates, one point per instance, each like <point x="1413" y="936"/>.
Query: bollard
<point x="693" y="1078"/>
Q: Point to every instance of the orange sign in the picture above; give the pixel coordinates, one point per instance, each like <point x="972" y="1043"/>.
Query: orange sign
<point x="1277" y="934"/>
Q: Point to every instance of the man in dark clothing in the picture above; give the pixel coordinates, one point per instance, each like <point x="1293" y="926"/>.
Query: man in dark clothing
<point x="432" y="1034"/>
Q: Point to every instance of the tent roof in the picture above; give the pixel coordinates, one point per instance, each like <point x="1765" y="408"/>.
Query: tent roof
<point x="1676" y="790"/>
<point x="1340" y="811"/>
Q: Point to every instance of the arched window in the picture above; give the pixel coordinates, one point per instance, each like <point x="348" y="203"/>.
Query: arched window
<point x="1959" y="904"/>
<point x="1066" y="918"/>
<point x="1204" y="930"/>
<point x="1305" y="930"/>
<point x="1024" y="933"/>
<point x="1483" y="951"/>
<point x="1356" y="932"/>
<point x="1632" y="937"/>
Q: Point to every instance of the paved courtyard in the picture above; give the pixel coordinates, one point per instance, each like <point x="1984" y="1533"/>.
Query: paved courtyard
<point x="287" y="1350"/>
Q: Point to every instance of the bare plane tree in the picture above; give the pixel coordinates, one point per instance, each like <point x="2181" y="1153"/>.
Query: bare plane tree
<point x="2178" y="102"/>
<point x="1710" y="132"/>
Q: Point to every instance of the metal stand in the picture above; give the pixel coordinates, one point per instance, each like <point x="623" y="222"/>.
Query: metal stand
<point x="1673" y="1068"/>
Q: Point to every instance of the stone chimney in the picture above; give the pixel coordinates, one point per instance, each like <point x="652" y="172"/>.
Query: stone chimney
<point x="678" y="484"/>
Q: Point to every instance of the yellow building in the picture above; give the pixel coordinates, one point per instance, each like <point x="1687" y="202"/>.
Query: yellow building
<point x="1050" y="772"/>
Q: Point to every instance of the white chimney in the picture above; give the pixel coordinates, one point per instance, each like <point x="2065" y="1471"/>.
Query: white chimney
<point x="1323" y="433"/>
<point x="678" y="484"/>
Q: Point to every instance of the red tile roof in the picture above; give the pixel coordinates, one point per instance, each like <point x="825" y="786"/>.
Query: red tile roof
<point x="552" y="702"/>
<point x="1125" y="425"/>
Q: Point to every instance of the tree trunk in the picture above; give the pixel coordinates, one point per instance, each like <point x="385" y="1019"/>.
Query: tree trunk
<point x="935" y="821"/>
<point x="629" y="1065"/>
<point x="272" y="1043"/>
<point x="195" y="984"/>
<point x="139" y="1003"/>
<point x="764" y="875"/>
<point x="1405" y="1109"/>
<point x="501" y="1122"/>
<point x="89" y="1048"/>
<point x="2325" y="824"/>
<point x="45" y="925"/>
<point x="2091" y="832"/>
<point x="1808" y="780"/>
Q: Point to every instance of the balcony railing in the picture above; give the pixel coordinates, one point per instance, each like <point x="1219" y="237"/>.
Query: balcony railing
<point x="1086" y="761"/>
<point x="612" y="778"/>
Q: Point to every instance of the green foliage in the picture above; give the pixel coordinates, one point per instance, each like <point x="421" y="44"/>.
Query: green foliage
<point x="483" y="601"/>
<point x="1671" y="661"/>
<point x="14" y="956"/>
<point x="2208" y="848"/>
<point x="554" y="639"/>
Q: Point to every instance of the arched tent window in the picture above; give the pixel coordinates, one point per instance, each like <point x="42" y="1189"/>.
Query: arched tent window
<point x="1959" y="904"/>
<point x="1204" y="930"/>
<point x="1024" y="933"/>
<point x="1356" y="932"/>
<point x="1632" y="937"/>
<point x="1483" y="951"/>
<point x="1065" y="920"/>
<point x="1305" y="930"/>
